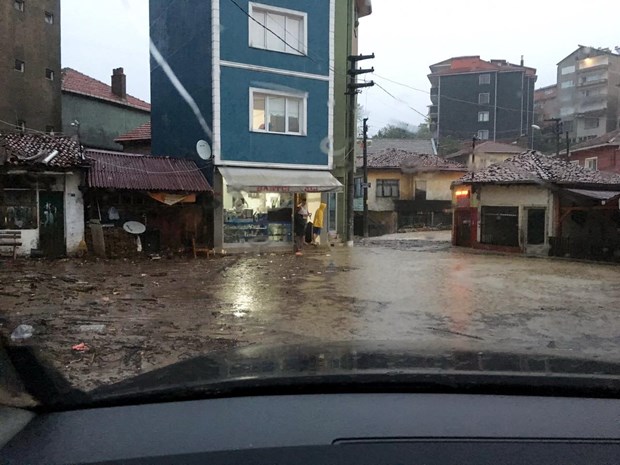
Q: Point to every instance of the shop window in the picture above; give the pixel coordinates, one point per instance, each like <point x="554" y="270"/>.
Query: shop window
<point x="388" y="188"/>
<point x="18" y="209"/>
<point x="277" y="29"/>
<point x="277" y="113"/>
<point x="258" y="217"/>
<point x="500" y="226"/>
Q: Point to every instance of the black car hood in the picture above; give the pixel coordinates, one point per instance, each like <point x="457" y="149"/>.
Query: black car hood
<point x="364" y="366"/>
<point x="333" y="367"/>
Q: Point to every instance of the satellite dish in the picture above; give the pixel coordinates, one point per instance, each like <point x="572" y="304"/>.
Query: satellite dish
<point x="134" y="227"/>
<point x="204" y="149"/>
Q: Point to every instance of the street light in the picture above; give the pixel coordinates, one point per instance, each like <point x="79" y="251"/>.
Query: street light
<point x="536" y="128"/>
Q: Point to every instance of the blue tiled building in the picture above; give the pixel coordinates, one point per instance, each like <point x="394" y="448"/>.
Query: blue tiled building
<point x="261" y="76"/>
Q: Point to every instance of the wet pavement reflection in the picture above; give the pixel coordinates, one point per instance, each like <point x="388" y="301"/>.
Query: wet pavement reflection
<point x="158" y="312"/>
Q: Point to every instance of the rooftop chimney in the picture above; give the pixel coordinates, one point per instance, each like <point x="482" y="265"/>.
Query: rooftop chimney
<point x="522" y="61"/>
<point x="119" y="83"/>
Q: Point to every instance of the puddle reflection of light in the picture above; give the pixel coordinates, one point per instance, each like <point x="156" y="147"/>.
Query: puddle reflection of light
<point x="460" y="290"/>
<point x="244" y="299"/>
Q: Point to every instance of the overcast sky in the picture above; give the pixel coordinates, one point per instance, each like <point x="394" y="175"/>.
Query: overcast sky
<point x="406" y="36"/>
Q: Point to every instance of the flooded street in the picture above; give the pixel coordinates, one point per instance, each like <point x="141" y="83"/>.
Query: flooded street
<point x="137" y="316"/>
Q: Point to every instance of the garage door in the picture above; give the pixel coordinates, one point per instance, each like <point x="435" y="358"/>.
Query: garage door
<point x="500" y="226"/>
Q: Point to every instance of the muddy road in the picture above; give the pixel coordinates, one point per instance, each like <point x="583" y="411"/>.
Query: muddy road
<point x="135" y="316"/>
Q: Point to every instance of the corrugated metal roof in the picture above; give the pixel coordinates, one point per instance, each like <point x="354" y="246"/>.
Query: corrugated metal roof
<point x="31" y="149"/>
<point x="597" y="195"/>
<point x="119" y="170"/>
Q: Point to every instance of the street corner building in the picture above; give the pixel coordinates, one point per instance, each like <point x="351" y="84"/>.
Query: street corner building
<point x="262" y="82"/>
<point x="409" y="186"/>
<point x="41" y="201"/>
<point x="540" y="205"/>
<point x="168" y="200"/>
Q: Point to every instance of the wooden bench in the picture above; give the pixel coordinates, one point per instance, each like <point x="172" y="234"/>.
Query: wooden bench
<point x="11" y="239"/>
<point x="198" y="248"/>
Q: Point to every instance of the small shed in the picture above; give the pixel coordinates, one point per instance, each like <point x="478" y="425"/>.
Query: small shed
<point x="538" y="204"/>
<point x="170" y="196"/>
<point x="41" y="202"/>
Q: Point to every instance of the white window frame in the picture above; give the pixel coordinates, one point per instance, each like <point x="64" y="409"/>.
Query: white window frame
<point x="303" y="113"/>
<point x="588" y="161"/>
<point x="49" y="17"/>
<point x="481" y="133"/>
<point x="22" y="64"/>
<point x="483" y="116"/>
<point x="284" y="12"/>
<point x="568" y="70"/>
<point x="484" y="79"/>
<point x="488" y="102"/>
<point x="51" y="74"/>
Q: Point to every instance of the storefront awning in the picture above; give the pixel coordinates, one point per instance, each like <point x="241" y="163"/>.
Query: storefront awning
<point x="276" y="180"/>
<point x="597" y="195"/>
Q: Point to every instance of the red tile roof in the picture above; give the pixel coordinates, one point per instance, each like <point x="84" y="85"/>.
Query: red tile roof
<point x="31" y="149"/>
<point x="128" y="171"/>
<point x="77" y="83"/>
<point x="536" y="168"/>
<point x="140" y="133"/>
<point x="471" y="64"/>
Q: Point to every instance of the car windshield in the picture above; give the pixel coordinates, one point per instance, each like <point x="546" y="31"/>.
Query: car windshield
<point x="232" y="181"/>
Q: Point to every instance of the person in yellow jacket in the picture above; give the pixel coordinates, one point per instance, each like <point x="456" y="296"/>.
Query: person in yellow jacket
<point x="317" y="222"/>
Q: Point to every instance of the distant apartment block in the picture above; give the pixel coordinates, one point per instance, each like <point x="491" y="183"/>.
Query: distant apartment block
<point x="588" y="85"/>
<point x="545" y="104"/>
<point x="489" y="100"/>
<point x="30" y="71"/>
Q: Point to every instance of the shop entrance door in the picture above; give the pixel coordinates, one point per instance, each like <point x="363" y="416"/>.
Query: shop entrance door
<point x="463" y="223"/>
<point x="51" y="224"/>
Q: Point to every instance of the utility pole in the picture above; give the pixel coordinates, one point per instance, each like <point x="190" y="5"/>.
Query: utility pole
<point x="365" y="186"/>
<point x="352" y="90"/>
<point x="558" y="132"/>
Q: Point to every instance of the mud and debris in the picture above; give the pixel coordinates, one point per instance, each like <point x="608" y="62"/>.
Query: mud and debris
<point x="137" y="315"/>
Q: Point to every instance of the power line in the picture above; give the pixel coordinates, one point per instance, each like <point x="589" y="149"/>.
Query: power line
<point x="19" y="129"/>
<point x="399" y="100"/>
<point x="447" y="97"/>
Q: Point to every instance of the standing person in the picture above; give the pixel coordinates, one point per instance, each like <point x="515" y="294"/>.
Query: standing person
<point x="301" y="217"/>
<point x="319" y="216"/>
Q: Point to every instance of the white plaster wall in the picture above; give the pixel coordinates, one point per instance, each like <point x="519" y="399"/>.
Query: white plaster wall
<point x="30" y="240"/>
<point x="523" y="197"/>
<point x="74" y="213"/>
